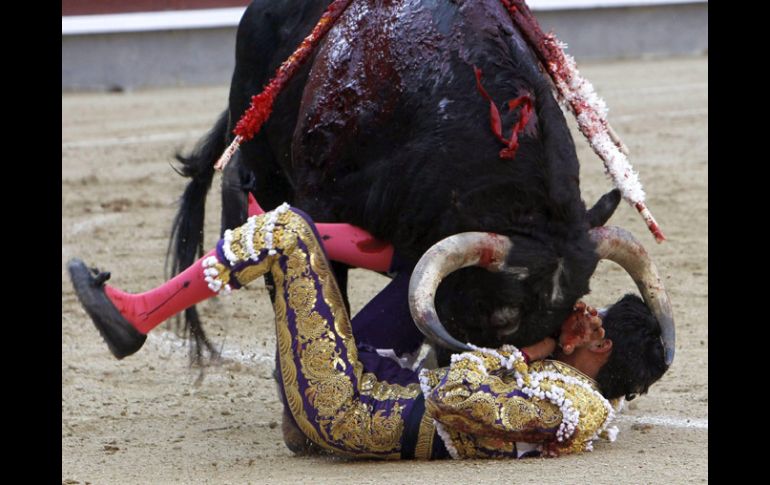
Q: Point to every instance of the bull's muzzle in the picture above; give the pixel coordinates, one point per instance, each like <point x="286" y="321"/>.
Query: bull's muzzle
<point x="489" y="251"/>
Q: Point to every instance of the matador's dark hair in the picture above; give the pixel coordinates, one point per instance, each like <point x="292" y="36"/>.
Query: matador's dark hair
<point x="637" y="359"/>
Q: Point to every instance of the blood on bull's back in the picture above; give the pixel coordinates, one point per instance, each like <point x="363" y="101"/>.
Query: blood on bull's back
<point x="387" y="128"/>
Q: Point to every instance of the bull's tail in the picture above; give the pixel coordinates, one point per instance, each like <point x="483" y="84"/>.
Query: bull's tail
<point x="186" y="241"/>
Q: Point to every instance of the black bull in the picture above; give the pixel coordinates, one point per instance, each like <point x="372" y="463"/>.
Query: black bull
<point x="386" y="129"/>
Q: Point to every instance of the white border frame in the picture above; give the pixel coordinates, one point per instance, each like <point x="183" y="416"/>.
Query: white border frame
<point x="230" y="17"/>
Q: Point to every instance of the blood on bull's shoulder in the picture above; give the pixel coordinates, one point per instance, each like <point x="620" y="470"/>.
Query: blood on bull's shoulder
<point x="386" y="127"/>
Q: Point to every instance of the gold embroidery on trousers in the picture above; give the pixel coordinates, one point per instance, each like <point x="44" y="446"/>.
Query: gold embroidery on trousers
<point x="423" y="449"/>
<point x="312" y="327"/>
<point x="383" y="391"/>
<point x="351" y="426"/>
<point x="302" y="296"/>
<point x="342" y="424"/>
<point x="250" y="273"/>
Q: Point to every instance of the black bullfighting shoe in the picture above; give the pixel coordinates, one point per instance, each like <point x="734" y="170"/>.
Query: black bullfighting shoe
<point x="121" y="337"/>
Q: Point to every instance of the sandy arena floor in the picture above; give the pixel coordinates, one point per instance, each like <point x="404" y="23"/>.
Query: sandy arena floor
<point x="147" y="420"/>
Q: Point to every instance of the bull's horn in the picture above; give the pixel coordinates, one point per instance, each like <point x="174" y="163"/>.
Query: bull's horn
<point x="483" y="249"/>
<point x="620" y="246"/>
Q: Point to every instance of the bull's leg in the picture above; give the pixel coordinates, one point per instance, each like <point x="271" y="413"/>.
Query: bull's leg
<point x="268" y="32"/>
<point x="235" y="185"/>
<point x="237" y="181"/>
<point x="260" y="175"/>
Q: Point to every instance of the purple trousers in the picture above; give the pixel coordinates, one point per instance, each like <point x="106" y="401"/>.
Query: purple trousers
<point x="340" y="392"/>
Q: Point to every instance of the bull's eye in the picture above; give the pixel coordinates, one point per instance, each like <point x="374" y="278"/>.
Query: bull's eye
<point x="631" y="397"/>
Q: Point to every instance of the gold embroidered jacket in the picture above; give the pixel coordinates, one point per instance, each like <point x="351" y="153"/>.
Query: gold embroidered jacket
<point x="492" y="404"/>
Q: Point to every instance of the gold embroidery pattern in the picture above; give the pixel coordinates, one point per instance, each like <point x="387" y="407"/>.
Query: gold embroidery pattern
<point x="237" y="244"/>
<point x="453" y="394"/>
<point x="562" y="368"/>
<point x="315" y="358"/>
<point x="255" y="236"/>
<point x="384" y="391"/>
<point x="330" y="394"/>
<point x="519" y="413"/>
<point x="343" y="424"/>
<point x="296" y="267"/>
<point x="504" y="384"/>
<point x="464" y="446"/>
<point x="592" y="413"/>
<point x="302" y="297"/>
<point x="471" y="446"/>
<point x="550" y="416"/>
<point x="481" y="407"/>
<point x="312" y="327"/>
<point x="287" y="366"/>
<point x="359" y="429"/>
<point x="423" y="449"/>
<point x="454" y="421"/>
<point x="482" y="414"/>
<point x="223" y="273"/>
<point x="250" y="273"/>
<point x="433" y="377"/>
<point x="465" y="371"/>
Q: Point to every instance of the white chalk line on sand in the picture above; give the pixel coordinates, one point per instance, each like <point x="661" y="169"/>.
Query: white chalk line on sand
<point x="666" y="421"/>
<point x="169" y="342"/>
<point x="88" y="224"/>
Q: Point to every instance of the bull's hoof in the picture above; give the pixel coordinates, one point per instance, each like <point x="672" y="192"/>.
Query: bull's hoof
<point x="121" y="337"/>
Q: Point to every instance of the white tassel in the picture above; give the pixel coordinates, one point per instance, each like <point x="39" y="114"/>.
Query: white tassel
<point x="447" y="440"/>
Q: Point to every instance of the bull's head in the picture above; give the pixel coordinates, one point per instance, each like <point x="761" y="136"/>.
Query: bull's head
<point x="546" y="271"/>
<point x="492" y="252"/>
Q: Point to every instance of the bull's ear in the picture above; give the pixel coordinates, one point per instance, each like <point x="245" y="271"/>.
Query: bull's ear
<point x="604" y="208"/>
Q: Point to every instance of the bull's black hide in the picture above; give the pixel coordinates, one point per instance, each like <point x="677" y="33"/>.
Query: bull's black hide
<point x="386" y="129"/>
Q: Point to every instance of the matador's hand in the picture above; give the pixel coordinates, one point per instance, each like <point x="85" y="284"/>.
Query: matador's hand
<point x="582" y="326"/>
